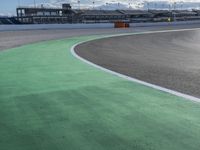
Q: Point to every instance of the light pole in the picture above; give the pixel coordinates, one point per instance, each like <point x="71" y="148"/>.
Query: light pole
<point x="170" y="10"/>
<point x="174" y="6"/>
<point x="93" y="3"/>
<point x="174" y="15"/>
<point x="147" y="5"/>
<point x="34" y="4"/>
<point x="79" y="7"/>
<point x="181" y="5"/>
<point x="107" y="5"/>
<point x="129" y="4"/>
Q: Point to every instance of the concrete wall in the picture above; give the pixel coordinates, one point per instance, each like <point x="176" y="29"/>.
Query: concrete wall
<point x="164" y="23"/>
<point x="53" y="26"/>
<point x="85" y="26"/>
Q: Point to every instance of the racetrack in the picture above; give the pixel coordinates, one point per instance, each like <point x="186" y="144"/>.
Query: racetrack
<point x="10" y="39"/>
<point x="49" y="100"/>
<point x="169" y="59"/>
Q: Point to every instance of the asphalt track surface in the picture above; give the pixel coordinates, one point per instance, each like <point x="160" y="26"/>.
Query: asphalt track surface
<point x="49" y="100"/>
<point x="11" y="39"/>
<point x="170" y="60"/>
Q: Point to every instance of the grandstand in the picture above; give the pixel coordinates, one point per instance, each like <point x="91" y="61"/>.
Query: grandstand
<point x="102" y="16"/>
<point x="137" y="15"/>
<point x="42" y="15"/>
<point x="185" y="15"/>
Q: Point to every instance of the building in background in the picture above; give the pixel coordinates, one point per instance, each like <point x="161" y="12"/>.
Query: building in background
<point x="44" y="15"/>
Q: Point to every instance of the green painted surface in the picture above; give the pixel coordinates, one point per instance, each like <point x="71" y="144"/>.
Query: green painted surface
<point x="49" y="100"/>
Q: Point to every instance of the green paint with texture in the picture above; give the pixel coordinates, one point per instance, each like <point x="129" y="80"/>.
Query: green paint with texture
<point x="49" y="100"/>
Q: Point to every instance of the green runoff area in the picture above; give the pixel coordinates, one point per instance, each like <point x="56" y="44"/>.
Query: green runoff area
<point x="50" y="100"/>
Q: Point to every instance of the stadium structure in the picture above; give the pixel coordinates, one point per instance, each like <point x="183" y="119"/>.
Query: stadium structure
<point x="44" y="15"/>
<point x="68" y="15"/>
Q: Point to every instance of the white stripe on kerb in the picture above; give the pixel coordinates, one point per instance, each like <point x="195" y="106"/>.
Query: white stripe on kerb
<point x="188" y="97"/>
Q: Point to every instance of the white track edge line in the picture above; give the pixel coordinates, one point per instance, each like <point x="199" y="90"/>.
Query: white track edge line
<point x="179" y="94"/>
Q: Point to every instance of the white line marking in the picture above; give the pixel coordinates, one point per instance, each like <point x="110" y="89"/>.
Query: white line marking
<point x="185" y="96"/>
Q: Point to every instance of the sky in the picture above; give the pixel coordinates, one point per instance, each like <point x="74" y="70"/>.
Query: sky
<point x="7" y="7"/>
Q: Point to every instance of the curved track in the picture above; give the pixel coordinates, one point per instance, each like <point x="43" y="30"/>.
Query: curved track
<point x="10" y="39"/>
<point x="50" y="100"/>
<point x="169" y="59"/>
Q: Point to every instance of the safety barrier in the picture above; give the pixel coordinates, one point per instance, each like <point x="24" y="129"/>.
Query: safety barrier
<point x="86" y="26"/>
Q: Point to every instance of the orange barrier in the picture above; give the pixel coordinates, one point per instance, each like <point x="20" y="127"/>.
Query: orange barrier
<point x="120" y="24"/>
